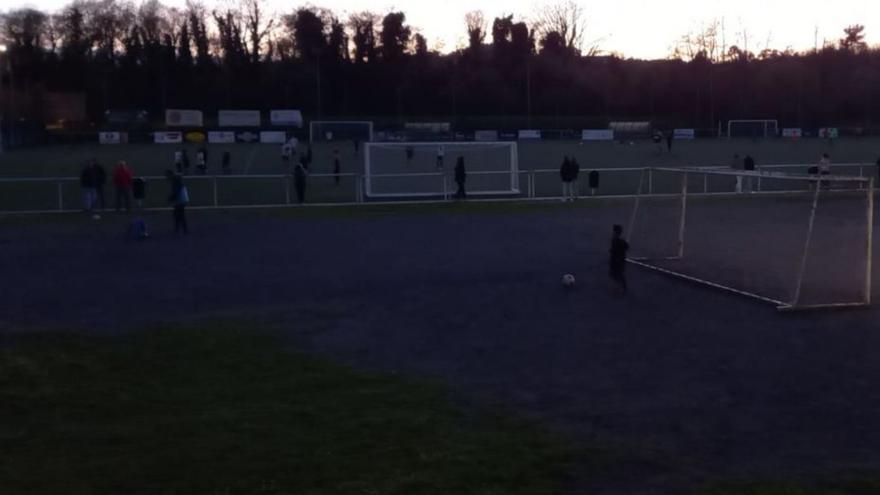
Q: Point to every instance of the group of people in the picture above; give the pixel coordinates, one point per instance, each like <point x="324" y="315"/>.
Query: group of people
<point x="93" y="180"/>
<point x="130" y="193"/>
<point x="182" y="163"/>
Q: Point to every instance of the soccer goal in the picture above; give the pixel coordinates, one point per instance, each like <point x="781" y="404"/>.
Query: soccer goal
<point x="338" y="130"/>
<point x="803" y="243"/>
<point x="752" y="128"/>
<point x="413" y="170"/>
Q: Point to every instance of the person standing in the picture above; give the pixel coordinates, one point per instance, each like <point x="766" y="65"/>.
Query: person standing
<point x="825" y="168"/>
<point x="122" y="180"/>
<point x="185" y="163"/>
<point x="669" y="140"/>
<point x="565" y="173"/>
<point x="87" y="183"/>
<point x="460" y="178"/>
<point x="178" y="161"/>
<point x="736" y="166"/>
<point x="617" y="261"/>
<point x="309" y="158"/>
<point x="100" y="182"/>
<point x="286" y="153"/>
<point x="202" y="160"/>
<point x="179" y="199"/>
<point x="575" y="173"/>
<point x="749" y="167"/>
<point x="226" y="163"/>
<point x="139" y="191"/>
<point x="300" y="175"/>
<point x="441" y="157"/>
<point x="337" y="167"/>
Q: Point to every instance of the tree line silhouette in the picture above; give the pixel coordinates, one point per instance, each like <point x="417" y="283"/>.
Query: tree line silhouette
<point x="510" y="74"/>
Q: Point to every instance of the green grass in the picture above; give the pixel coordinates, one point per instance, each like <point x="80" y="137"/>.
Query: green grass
<point x="219" y="408"/>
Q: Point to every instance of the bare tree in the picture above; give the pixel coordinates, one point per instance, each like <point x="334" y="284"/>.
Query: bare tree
<point x="476" y="28"/>
<point x="258" y="26"/>
<point x="568" y="20"/>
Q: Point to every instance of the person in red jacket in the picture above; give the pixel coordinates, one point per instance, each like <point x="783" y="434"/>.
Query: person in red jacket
<point x="122" y="180"/>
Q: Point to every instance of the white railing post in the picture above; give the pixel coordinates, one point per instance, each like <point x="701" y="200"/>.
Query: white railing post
<point x="60" y="187"/>
<point x="650" y="181"/>
<point x="705" y="183"/>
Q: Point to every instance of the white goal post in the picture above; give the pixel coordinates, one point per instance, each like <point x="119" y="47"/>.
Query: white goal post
<point x="752" y="128"/>
<point x="762" y="245"/>
<point x="427" y="169"/>
<point x="340" y="130"/>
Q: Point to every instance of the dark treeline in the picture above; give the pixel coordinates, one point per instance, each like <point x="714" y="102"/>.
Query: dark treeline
<point x="151" y="57"/>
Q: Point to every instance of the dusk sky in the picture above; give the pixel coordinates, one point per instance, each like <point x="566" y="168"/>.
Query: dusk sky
<point x="635" y="28"/>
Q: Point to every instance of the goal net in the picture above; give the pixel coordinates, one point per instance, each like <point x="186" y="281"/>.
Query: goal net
<point x="752" y="128"/>
<point x="795" y="241"/>
<point x="332" y="130"/>
<point x="414" y="170"/>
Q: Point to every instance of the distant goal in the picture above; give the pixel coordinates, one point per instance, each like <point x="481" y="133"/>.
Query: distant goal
<point x="754" y="129"/>
<point x="426" y="169"/>
<point x="801" y="242"/>
<point x="340" y="130"/>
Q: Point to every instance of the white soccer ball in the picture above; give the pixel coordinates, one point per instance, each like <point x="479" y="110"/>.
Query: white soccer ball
<point x="568" y="281"/>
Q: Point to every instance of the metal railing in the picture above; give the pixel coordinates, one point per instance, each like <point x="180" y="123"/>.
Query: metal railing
<point x="61" y="194"/>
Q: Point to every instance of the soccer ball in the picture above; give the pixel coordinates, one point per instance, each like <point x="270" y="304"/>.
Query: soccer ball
<point x="96" y="217"/>
<point x="568" y="281"/>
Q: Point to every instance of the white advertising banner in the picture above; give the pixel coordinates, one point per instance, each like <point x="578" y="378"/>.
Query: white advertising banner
<point x="428" y="126"/>
<point x="292" y="118"/>
<point x="829" y="133"/>
<point x="486" y="136"/>
<point x="238" y="118"/>
<point x="184" y="118"/>
<point x="273" y="137"/>
<point x="221" y="137"/>
<point x="792" y="132"/>
<point x="110" y="137"/>
<point x="168" y="137"/>
<point x="598" y="135"/>
<point x="529" y="134"/>
<point x="684" y="134"/>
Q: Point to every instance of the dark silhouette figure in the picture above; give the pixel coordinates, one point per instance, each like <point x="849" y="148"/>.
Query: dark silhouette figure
<point x="460" y="178"/>
<point x="337" y="167"/>
<point x="179" y="198"/>
<point x="202" y="160"/>
<point x="87" y="183"/>
<point x="617" y="261"/>
<point x="185" y="162"/>
<point x="139" y="191"/>
<point x="226" y="163"/>
<point x="309" y="157"/>
<point x="566" y="173"/>
<point x="100" y="182"/>
<point x="669" y="139"/>
<point x="410" y="153"/>
<point x="299" y="180"/>
<point x="749" y="166"/>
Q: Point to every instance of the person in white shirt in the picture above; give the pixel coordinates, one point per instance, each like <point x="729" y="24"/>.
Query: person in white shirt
<point x="441" y="155"/>
<point x="178" y="161"/>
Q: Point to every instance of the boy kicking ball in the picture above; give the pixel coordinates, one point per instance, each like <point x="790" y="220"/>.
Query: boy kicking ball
<point x="617" y="261"/>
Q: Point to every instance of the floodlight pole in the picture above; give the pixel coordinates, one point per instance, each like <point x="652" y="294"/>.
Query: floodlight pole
<point x="869" y="263"/>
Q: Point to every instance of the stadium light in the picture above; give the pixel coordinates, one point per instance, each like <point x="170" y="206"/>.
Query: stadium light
<point x="2" y="48"/>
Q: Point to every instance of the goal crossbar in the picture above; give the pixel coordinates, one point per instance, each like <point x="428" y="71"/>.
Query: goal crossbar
<point x="795" y="304"/>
